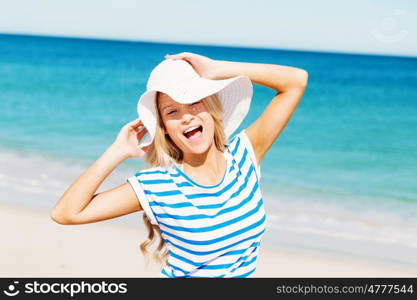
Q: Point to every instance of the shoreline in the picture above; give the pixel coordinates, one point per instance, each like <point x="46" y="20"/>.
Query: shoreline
<point x="36" y="246"/>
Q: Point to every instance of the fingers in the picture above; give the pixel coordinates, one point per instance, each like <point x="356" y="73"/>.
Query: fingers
<point x="141" y="133"/>
<point x="174" y="56"/>
<point x="135" y="123"/>
<point x="182" y="55"/>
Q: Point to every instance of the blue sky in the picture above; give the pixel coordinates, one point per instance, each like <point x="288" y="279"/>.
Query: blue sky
<point x="354" y="26"/>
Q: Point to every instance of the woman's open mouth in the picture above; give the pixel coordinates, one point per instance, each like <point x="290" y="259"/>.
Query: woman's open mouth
<point x="195" y="134"/>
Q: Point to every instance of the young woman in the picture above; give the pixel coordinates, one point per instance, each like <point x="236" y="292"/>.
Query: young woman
<point x="201" y="198"/>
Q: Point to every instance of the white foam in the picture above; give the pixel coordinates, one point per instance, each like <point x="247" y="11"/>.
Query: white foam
<point x="335" y="221"/>
<point x="46" y="176"/>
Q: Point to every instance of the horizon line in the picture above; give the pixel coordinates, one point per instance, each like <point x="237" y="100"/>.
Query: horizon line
<point x="99" y="38"/>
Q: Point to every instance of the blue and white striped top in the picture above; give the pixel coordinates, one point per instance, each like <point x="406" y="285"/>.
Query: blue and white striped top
<point x="209" y="231"/>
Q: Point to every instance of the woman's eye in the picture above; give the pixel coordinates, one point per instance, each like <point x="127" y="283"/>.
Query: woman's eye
<point x="172" y="111"/>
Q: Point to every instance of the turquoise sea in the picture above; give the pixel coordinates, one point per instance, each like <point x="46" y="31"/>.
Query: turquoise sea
<point x="342" y="177"/>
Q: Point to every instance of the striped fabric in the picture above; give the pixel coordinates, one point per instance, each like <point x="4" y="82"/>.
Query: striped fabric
<point x="210" y="231"/>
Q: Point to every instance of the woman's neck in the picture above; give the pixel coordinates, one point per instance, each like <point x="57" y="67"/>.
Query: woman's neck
<point x="211" y="163"/>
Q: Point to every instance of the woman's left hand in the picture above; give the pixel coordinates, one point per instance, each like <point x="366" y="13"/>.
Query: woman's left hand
<point x="204" y="66"/>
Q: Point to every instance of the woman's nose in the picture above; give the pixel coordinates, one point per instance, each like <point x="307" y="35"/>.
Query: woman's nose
<point x="188" y="112"/>
<point x="187" y="116"/>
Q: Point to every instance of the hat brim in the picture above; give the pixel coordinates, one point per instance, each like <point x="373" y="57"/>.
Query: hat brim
<point x="234" y="93"/>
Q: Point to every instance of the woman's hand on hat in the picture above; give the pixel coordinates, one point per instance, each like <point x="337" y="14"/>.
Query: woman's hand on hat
<point x="204" y="66"/>
<point x="128" y="138"/>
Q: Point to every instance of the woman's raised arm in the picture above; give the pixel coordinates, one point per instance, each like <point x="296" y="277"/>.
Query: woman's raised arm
<point x="79" y="204"/>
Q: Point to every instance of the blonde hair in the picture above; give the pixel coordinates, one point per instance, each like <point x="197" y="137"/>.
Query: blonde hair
<point x="164" y="152"/>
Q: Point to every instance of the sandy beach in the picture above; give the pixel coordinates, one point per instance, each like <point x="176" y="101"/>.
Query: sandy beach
<point x="35" y="246"/>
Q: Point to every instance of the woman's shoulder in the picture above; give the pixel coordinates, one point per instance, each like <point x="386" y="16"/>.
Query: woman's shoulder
<point x="236" y="140"/>
<point x="241" y="147"/>
<point x="152" y="171"/>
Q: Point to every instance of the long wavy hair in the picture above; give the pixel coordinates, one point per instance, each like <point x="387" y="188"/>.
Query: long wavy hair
<point x="164" y="152"/>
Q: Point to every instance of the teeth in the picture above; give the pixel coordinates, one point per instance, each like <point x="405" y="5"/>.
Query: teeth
<point x="191" y="128"/>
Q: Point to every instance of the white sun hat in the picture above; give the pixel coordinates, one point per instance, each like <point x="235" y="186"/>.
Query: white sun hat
<point x="178" y="79"/>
